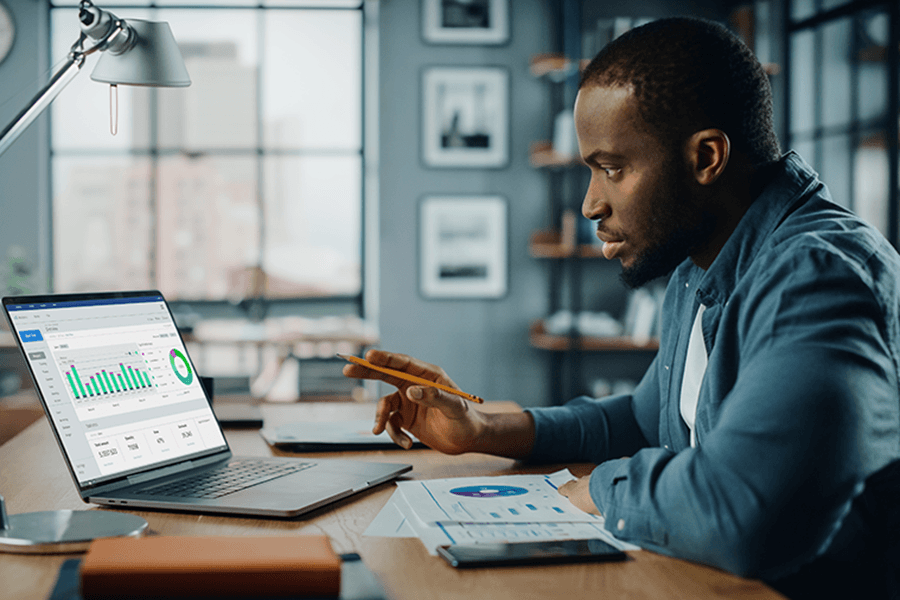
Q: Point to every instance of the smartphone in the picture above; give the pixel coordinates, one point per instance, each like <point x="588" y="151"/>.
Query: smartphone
<point x="529" y="553"/>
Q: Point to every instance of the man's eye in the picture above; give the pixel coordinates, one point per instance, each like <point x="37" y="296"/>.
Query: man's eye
<point x="611" y="171"/>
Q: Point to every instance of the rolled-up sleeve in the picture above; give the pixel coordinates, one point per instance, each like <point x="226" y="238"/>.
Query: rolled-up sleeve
<point x="591" y="430"/>
<point x="813" y="411"/>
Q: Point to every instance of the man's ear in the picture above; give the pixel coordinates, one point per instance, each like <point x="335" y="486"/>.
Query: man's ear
<point x="707" y="152"/>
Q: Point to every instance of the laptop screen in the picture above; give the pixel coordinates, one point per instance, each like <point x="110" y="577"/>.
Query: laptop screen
<point x="116" y="380"/>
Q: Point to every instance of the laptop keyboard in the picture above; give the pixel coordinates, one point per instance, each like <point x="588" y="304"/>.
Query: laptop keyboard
<point x="233" y="477"/>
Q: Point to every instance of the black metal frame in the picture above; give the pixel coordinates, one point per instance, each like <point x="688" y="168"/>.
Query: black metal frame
<point x="889" y="122"/>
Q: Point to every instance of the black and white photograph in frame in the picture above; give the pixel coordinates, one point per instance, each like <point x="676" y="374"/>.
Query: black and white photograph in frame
<point x="465" y="21"/>
<point x="463" y="251"/>
<point x="465" y="117"/>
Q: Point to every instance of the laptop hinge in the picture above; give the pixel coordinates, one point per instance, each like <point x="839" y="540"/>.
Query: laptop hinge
<point x="177" y="468"/>
<point x="100" y="490"/>
<point x="142" y="477"/>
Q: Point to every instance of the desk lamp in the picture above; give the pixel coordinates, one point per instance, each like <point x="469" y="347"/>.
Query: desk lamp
<point x="134" y="53"/>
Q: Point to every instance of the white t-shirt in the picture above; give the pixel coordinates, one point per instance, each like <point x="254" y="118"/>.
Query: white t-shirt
<point x="694" y="369"/>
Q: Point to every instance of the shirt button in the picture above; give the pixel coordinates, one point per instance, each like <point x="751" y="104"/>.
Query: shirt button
<point x="620" y="525"/>
<point x="667" y="367"/>
<point x="687" y="285"/>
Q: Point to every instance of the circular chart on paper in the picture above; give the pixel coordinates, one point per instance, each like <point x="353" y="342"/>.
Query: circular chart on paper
<point x="181" y="366"/>
<point x="488" y="491"/>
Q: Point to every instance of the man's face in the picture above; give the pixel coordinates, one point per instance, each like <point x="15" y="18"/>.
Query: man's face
<point x="650" y="219"/>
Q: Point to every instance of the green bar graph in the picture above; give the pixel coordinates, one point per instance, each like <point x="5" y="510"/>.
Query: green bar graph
<point x="125" y="373"/>
<point x="78" y="380"/>
<point x="72" y="383"/>
<point x="109" y="384"/>
<point x="111" y="376"/>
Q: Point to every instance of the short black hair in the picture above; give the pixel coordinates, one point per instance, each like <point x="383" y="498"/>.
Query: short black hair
<point x="689" y="74"/>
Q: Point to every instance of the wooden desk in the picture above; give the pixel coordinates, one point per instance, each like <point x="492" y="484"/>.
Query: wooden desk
<point x="33" y="477"/>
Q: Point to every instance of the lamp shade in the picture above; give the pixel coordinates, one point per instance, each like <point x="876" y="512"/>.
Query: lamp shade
<point x="153" y="60"/>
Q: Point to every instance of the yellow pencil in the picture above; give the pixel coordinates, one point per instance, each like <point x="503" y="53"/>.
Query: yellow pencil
<point x="408" y="377"/>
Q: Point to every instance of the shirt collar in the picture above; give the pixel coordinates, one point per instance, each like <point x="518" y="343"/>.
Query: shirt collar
<point x="791" y="181"/>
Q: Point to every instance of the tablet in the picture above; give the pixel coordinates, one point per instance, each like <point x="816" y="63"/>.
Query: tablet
<point x="330" y="436"/>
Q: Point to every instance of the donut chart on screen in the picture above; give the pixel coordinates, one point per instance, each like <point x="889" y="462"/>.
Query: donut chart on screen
<point x="181" y="366"/>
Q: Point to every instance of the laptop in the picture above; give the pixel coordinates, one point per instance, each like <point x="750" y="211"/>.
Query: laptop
<point x="135" y="425"/>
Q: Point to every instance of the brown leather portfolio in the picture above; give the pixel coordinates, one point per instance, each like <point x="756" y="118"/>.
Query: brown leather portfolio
<point x="202" y="567"/>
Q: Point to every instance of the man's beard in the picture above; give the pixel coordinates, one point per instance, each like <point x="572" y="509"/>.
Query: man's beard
<point x="679" y="226"/>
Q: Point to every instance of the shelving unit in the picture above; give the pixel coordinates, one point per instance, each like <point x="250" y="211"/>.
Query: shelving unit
<point x="559" y="243"/>
<point x="539" y="338"/>
<point x="543" y="155"/>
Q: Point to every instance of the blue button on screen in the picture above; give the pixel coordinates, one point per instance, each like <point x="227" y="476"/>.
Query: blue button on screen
<point x="32" y="335"/>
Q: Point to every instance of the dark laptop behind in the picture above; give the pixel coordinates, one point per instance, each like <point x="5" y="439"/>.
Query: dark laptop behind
<point x="134" y="424"/>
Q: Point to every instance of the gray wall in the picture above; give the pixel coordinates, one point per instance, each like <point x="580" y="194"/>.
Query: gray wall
<point x="482" y="344"/>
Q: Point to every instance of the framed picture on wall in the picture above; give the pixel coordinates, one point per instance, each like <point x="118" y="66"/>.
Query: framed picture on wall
<point x="463" y="246"/>
<point x="465" y="21"/>
<point x="465" y="117"/>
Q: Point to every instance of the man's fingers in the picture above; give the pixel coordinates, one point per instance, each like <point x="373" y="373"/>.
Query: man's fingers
<point x="397" y="434"/>
<point x="408" y="364"/>
<point x="354" y="371"/>
<point x="383" y="410"/>
<point x="449" y="404"/>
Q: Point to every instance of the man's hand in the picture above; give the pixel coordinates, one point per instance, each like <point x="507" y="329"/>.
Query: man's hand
<point x="578" y="492"/>
<point x="441" y="420"/>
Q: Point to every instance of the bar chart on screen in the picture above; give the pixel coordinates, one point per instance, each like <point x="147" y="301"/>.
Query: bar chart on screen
<point x="120" y="378"/>
<point x="95" y="373"/>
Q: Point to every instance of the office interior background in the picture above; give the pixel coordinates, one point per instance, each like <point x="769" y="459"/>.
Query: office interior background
<point x="290" y="182"/>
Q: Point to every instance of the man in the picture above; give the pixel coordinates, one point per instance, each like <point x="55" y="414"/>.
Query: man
<point x="758" y="439"/>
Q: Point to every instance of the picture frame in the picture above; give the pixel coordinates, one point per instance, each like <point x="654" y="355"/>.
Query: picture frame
<point x="463" y="246"/>
<point x="465" y="117"/>
<point x="465" y="21"/>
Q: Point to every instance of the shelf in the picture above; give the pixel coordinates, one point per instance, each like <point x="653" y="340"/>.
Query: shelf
<point x="554" y="66"/>
<point x="549" y="244"/>
<point x="539" y="338"/>
<point x="542" y="156"/>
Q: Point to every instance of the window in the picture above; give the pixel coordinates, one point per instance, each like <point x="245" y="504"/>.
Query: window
<point x="247" y="182"/>
<point x="843" y="92"/>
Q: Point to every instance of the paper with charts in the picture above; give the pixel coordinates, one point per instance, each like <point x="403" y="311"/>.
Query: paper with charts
<point x="503" y="499"/>
<point x="472" y="510"/>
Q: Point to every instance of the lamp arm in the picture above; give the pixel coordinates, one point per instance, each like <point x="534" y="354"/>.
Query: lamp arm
<point x="41" y="100"/>
<point x="117" y="37"/>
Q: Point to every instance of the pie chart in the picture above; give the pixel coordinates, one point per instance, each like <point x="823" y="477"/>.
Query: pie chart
<point x="181" y="366"/>
<point x="488" y="491"/>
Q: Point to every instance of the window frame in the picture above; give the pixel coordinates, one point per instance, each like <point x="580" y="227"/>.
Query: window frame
<point x="821" y="16"/>
<point x="359" y="303"/>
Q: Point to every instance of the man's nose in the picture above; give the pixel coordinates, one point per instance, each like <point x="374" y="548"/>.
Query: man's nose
<point x="594" y="205"/>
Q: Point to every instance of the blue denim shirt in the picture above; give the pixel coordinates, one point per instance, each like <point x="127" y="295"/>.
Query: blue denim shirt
<point x="798" y="406"/>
